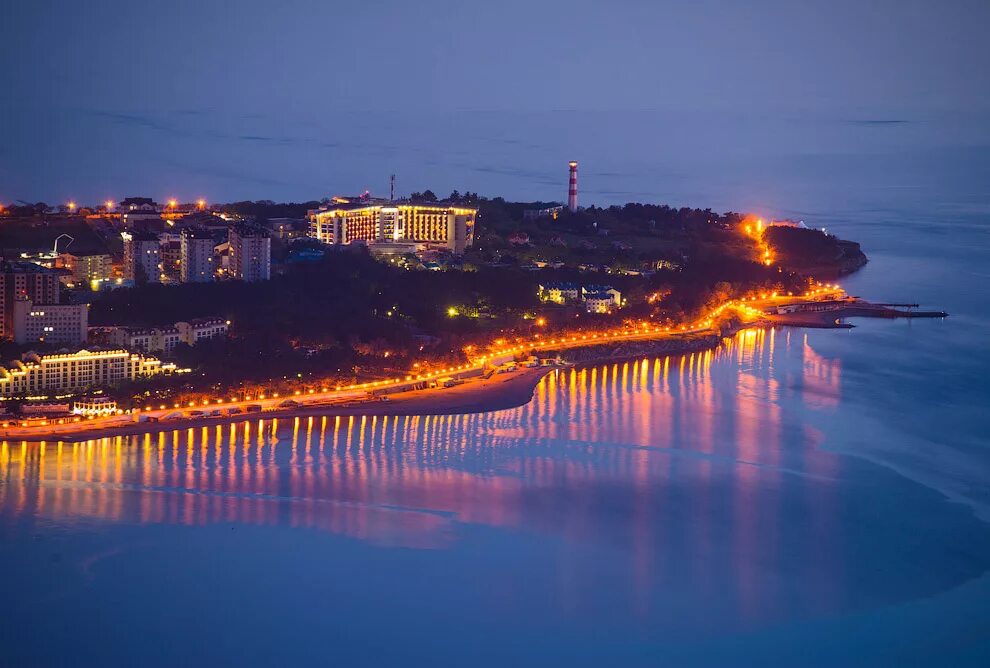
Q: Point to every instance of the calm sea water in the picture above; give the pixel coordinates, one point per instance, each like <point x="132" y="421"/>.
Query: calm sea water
<point x="794" y="498"/>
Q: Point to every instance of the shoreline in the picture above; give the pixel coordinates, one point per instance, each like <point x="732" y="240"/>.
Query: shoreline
<point x="477" y="394"/>
<point x="480" y="396"/>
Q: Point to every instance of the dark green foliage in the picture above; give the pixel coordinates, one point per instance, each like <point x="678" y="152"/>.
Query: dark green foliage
<point x="263" y="210"/>
<point x="39" y="234"/>
<point x="338" y="309"/>
<point x="799" y="245"/>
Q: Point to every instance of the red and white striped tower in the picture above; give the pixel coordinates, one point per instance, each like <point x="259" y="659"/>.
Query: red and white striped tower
<point x="572" y="188"/>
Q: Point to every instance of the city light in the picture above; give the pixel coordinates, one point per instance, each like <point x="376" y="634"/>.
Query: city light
<point x="755" y="230"/>
<point x="503" y="347"/>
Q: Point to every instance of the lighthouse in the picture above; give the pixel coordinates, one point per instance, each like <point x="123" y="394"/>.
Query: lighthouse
<point x="572" y="188"/>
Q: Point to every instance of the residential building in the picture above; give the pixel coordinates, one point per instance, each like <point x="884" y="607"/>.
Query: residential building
<point x="196" y="256"/>
<point x="601" y="298"/>
<point x="367" y="219"/>
<point x="65" y="324"/>
<point x="138" y="204"/>
<point x="286" y="229"/>
<point x="145" y="339"/>
<point x="142" y="257"/>
<point x="137" y="210"/>
<point x="559" y="293"/>
<point x="161" y="339"/>
<point x="24" y="280"/>
<point x="87" y="268"/>
<point x="42" y="374"/>
<point x="250" y="251"/>
<point x="595" y="302"/>
<point x="551" y="212"/>
<point x="44" y="408"/>
<point x="201" y="329"/>
<point x="171" y="258"/>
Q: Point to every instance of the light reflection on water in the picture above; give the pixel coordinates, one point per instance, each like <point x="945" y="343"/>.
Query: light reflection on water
<point x="677" y="497"/>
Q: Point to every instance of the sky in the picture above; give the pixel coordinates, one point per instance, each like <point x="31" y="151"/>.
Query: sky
<point x="298" y="100"/>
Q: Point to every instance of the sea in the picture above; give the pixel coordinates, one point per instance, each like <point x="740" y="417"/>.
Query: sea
<point x="793" y="498"/>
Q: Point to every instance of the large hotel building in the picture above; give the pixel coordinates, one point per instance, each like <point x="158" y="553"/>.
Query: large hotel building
<point x="40" y="374"/>
<point x="370" y="220"/>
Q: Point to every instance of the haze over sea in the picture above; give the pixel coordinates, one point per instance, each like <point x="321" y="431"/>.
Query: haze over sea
<point x="798" y="497"/>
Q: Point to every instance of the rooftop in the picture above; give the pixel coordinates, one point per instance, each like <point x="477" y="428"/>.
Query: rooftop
<point x="244" y="230"/>
<point x="197" y="233"/>
<point x="139" y="235"/>
<point x="367" y="201"/>
<point x="18" y="267"/>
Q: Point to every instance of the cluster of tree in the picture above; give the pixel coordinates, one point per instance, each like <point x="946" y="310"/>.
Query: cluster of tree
<point x="262" y="210"/>
<point x="320" y="313"/>
<point x="455" y="197"/>
<point x="710" y="280"/>
<point x="24" y="210"/>
<point x="38" y="234"/>
<point x="796" y="246"/>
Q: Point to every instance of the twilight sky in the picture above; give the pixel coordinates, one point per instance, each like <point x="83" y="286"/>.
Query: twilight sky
<point x="297" y="100"/>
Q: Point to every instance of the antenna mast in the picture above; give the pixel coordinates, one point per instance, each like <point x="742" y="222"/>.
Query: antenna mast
<point x="391" y="188"/>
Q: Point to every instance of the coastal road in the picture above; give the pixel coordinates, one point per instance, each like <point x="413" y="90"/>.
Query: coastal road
<point x="360" y="394"/>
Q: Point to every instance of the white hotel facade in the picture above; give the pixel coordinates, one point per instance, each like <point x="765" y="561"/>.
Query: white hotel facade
<point x="36" y="375"/>
<point x="369" y="220"/>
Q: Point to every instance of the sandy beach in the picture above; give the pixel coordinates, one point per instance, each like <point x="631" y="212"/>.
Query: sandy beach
<point x="500" y="392"/>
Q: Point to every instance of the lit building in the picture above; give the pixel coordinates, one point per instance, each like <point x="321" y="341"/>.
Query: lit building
<point x="145" y="339"/>
<point x="41" y="374"/>
<point x="87" y="268"/>
<point x="135" y="210"/>
<point x="601" y="298"/>
<point x="142" y="257"/>
<point x="49" y="323"/>
<point x="171" y="257"/>
<point x="250" y="253"/>
<point x="196" y="256"/>
<point x="286" y="229"/>
<point x="50" y="408"/>
<point x="370" y="220"/>
<point x="95" y="406"/>
<point x="24" y="280"/>
<point x="552" y="212"/>
<point x="558" y="293"/>
<point x="201" y="329"/>
<point x="163" y="339"/>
